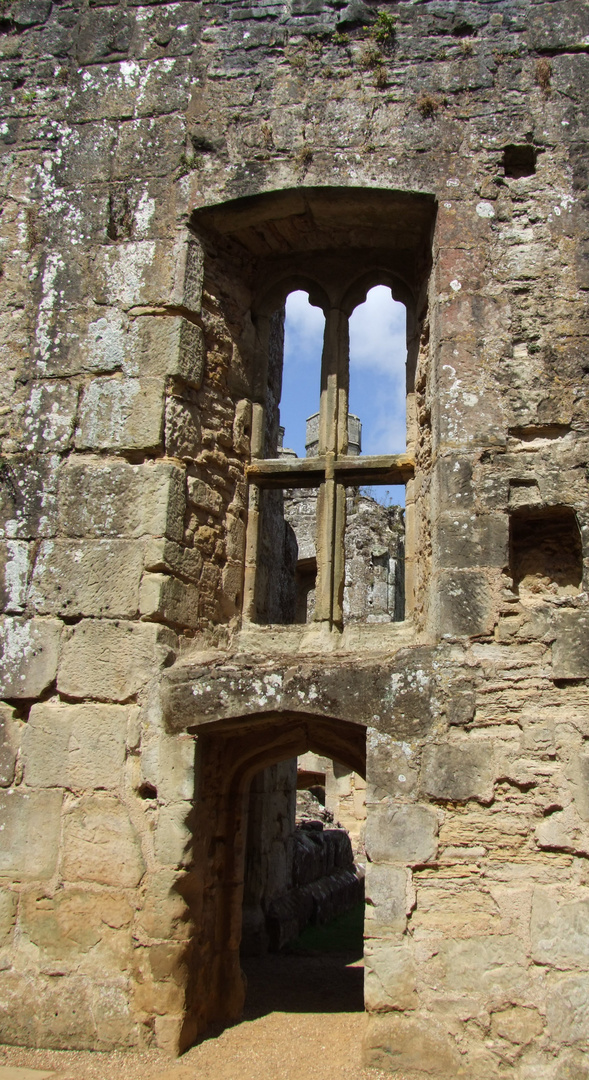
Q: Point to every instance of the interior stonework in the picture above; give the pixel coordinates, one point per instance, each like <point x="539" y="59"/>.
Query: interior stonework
<point x="170" y="173"/>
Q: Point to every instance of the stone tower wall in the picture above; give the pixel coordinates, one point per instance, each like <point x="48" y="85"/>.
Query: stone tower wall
<point x="128" y="368"/>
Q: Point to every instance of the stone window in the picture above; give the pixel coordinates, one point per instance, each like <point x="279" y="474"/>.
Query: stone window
<point x="335" y="245"/>
<point x="331" y="469"/>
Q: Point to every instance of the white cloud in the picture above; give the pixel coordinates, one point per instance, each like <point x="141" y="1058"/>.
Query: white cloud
<point x="378" y="334"/>
<point x="304" y="331"/>
<point x="378" y="354"/>
<point x="377" y="369"/>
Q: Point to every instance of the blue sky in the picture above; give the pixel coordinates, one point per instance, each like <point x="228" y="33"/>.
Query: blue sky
<point x="377" y="374"/>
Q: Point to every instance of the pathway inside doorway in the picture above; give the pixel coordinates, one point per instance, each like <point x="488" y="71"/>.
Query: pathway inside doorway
<point x="303" y="1021"/>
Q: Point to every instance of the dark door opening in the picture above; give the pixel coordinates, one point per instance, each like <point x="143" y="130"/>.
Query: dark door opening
<point x="247" y="783"/>
<point x="303" y="903"/>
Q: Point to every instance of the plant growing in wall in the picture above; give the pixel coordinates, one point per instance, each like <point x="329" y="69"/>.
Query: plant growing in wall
<point x="384" y="30"/>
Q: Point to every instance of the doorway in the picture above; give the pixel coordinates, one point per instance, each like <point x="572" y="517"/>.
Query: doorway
<point x="229" y="755"/>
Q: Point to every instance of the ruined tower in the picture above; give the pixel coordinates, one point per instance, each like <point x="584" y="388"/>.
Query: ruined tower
<point x="170" y="173"/>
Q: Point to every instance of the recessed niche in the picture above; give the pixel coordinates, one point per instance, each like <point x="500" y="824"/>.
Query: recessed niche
<point x="519" y="161"/>
<point x="546" y="553"/>
<point x="147" y="791"/>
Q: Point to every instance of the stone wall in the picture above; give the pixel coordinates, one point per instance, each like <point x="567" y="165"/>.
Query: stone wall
<point x="129" y="356"/>
<point x="374" y="586"/>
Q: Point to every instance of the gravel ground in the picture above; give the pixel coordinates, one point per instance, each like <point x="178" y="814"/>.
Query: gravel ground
<point x="302" y="1020"/>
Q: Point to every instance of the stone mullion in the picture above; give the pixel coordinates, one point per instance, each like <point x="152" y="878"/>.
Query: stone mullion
<point x="329" y="401"/>
<point x="342" y="364"/>
<point x="252" y="538"/>
<point x="333" y="441"/>
<point x="258" y="434"/>
<point x="324" y="550"/>
<point x="338" y="558"/>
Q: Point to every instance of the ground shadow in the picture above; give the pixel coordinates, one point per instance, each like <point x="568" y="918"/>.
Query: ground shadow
<point x="322" y="971"/>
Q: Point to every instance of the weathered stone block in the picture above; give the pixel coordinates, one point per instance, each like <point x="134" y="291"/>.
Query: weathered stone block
<point x="493" y="967"/>
<point x="459" y="771"/>
<point x="77" y="1012"/>
<point x="563" y="830"/>
<point x="167" y="599"/>
<point x="232" y="585"/>
<point x="577" y="773"/>
<point x="168" y="961"/>
<point x="462" y="603"/>
<point x="14" y="572"/>
<point x="135" y="273"/>
<point x="404" y="833"/>
<point x="388" y="765"/>
<point x="30" y="823"/>
<point x="29" y="649"/>
<point x="88" y="577"/>
<point x="164" y="998"/>
<point x="9" y="744"/>
<point x="469" y="540"/>
<point x="464" y="413"/>
<point x="88" y="929"/>
<point x="570" y="652"/>
<point x="242" y="427"/>
<point x="87" y="339"/>
<point x="516" y="1024"/>
<point x="386" y="897"/>
<point x="400" y="1044"/>
<point x="460" y="704"/>
<point x="89" y="146"/>
<point x="48" y="423"/>
<point x="121" y="414"/>
<point x="173" y="836"/>
<point x="100" y="843"/>
<point x="75" y="746"/>
<point x="113" y="498"/>
<point x="389" y="981"/>
<point x="453" y="483"/>
<point x="567" y="1009"/>
<point x="572" y="1065"/>
<point x="412" y="694"/>
<point x="154" y="150"/>
<point x="169" y="345"/>
<point x="175" y="766"/>
<point x="189" y="273"/>
<point x="30" y="12"/>
<point x="151" y="272"/>
<point x="164" y="913"/>
<point x="8" y="906"/>
<point x="158" y="88"/>
<point x="557" y="30"/>
<point x="560" y="928"/>
<point x="203" y="495"/>
<point x="111" y="660"/>
<point x="166" y="557"/>
<point x="28" y="496"/>
<point x="235" y="537"/>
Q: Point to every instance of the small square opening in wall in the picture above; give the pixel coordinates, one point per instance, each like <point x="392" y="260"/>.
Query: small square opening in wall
<point x="519" y="161"/>
<point x="546" y="552"/>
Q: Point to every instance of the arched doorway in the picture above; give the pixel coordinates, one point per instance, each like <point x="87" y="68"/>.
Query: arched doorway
<point x="229" y="753"/>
